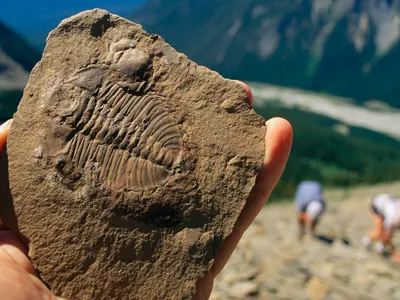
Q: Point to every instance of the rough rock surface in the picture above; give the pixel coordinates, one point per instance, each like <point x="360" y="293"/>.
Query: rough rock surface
<point x="128" y="163"/>
<point x="277" y="266"/>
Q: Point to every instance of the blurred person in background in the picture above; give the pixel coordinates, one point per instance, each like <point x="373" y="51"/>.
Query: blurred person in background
<point x="385" y="213"/>
<point x="311" y="205"/>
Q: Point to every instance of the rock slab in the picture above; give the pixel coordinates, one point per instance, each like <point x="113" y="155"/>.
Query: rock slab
<point x="128" y="163"/>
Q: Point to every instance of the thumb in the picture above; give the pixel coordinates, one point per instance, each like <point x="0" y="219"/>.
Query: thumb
<point x="14" y="251"/>
<point x="17" y="275"/>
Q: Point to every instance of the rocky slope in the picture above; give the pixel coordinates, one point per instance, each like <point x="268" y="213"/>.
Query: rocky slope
<point x="270" y="262"/>
<point x="345" y="47"/>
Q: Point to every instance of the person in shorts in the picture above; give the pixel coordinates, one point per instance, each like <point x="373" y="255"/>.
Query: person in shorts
<point x="385" y="214"/>
<point x="311" y="205"/>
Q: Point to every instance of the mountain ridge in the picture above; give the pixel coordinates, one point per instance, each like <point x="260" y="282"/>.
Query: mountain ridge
<point x="344" y="47"/>
<point x="17" y="58"/>
<point x="16" y="48"/>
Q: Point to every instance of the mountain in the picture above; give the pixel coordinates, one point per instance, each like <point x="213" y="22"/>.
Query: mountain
<point x="17" y="48"/>
<point x="345" y="47"/>
<point x="17" y="58"/>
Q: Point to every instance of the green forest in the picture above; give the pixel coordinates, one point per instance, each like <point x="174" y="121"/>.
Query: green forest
<point x="320" y="153"/>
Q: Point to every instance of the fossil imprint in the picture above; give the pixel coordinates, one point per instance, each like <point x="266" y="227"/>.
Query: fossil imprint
<point x="121" y="137"/>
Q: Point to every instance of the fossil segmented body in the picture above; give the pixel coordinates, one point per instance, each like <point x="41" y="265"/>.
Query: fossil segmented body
<point x="122" y="137"/>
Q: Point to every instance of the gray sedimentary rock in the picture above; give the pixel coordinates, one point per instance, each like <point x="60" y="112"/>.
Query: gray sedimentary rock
<point x="128" y="163"/>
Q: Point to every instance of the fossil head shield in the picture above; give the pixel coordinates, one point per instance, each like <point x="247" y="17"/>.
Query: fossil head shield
<point x="117" y="132"/>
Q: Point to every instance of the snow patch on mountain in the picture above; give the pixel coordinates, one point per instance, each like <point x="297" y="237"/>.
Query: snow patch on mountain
<point x="12" y="75"/>
<point x="387" y="23"/>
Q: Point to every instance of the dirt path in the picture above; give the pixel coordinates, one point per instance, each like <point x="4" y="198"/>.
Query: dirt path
<point x="270" y="262"/>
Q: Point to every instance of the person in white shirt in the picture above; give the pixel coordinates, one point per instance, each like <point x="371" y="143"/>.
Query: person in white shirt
<point x="385" y="210"/>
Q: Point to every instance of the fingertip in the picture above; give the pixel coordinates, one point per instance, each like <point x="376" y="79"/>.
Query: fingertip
<point x="4" y="129"/>
<point x="279" y="137"/>
<point x="248" y="91"/>
<point x="278" y="143"/>
<point x="281" y="123"/>
<point x="6" y="125"/>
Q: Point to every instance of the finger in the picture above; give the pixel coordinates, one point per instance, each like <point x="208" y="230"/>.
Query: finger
<point x="278" y="144"/>
<point x="204" y="287"/>
<point x="14" y="251"/>
<point x="278" y="141"/>
<point x="17" y="284"/>
<point x="4" y="128"/>
<point x="248" y="91"/>
<point x="16" y="270"/>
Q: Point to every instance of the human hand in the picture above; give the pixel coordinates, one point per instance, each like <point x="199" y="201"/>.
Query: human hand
<point x="278" y="141"/>
<point x="18" y="280"/>
<point x="18" y="277"/>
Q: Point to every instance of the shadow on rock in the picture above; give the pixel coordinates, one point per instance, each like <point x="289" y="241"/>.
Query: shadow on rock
<point x="329" y="240"/>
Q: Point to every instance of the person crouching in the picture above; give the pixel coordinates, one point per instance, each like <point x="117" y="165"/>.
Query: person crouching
<point x="311" y="205"/>
<point x="385" y="214"/>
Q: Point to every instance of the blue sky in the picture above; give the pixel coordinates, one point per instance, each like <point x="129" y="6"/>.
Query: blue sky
<point x="35" y="18"/>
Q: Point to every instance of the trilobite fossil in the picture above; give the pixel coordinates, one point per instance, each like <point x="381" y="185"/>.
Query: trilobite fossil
<point x="127" y="162"/>
<point x="121" y="136"/>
